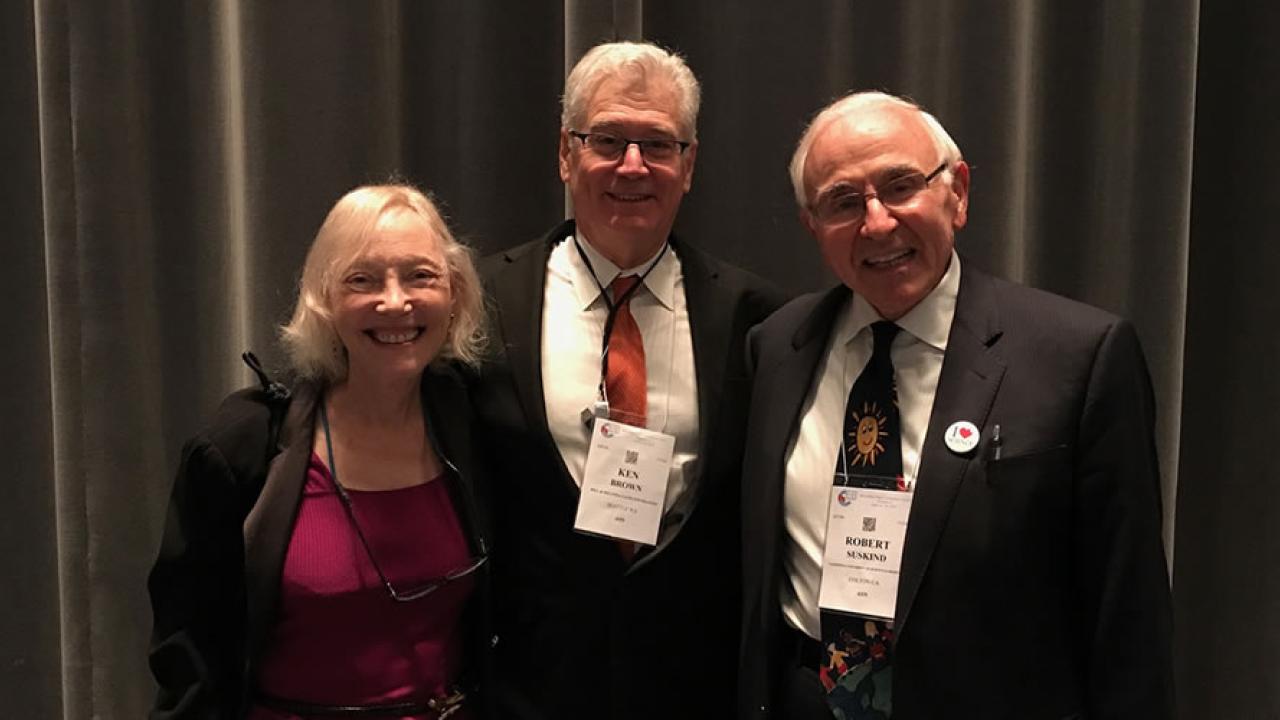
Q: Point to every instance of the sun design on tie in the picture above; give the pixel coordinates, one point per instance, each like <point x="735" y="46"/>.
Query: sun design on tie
<point x="865" y="440"/>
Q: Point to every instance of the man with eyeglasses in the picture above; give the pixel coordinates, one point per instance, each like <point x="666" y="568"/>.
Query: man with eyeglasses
<point x="618" y="346"/>
<point x="952" y="499"/>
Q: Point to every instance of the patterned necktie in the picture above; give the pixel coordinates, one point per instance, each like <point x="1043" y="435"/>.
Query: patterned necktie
<point x="625" y="382"/>
<point x="857" y="651"/>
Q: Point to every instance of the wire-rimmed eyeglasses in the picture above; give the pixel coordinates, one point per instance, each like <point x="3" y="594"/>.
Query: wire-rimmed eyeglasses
<point x="345" y="499"/>
<point x="422" y="591"/>
<point x="841" y="204"/>
<point x="612" y="147"/>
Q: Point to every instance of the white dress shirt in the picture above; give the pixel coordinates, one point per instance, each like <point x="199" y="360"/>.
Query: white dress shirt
<point x="917" y="353"/>
<point x="573" y="318"/>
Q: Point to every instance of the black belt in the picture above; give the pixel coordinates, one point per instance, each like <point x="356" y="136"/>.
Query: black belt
<point x="437" y="708"/>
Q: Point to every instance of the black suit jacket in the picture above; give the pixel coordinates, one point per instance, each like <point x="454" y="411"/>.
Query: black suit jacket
<point x="215" y="586"/>
<point x="581" y="634"/>
<point x="1033" y="586"/>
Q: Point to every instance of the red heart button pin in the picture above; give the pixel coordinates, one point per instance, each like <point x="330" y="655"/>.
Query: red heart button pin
<point x="962" y="437"/>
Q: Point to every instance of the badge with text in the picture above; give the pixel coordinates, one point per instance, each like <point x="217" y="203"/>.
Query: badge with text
<point x="863" y="554"/>
<point x="624" y="484"/>
<point x="962" y="437"/>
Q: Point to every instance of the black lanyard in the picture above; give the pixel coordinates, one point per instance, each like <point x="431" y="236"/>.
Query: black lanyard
<point x="613" y="306"/>
<point x="345" y="501"/>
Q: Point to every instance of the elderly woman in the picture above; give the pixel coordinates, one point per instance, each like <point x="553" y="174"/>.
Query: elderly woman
<point x="324" y="554"/>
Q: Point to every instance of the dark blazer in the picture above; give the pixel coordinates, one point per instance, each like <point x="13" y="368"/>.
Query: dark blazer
<point x="580" y="633"/>
<point x="215" y="586"/>
<point x="1033" y="586"/>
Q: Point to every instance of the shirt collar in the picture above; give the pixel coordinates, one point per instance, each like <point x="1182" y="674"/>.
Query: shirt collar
<point x="929" y="321"/>
<point x="660" y="282"/>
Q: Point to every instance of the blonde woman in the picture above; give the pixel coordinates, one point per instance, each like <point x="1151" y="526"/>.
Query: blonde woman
<point x="325" y="553"/>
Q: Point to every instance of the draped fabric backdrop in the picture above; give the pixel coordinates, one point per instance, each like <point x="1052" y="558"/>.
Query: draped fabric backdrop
<point x="166" y="164"/>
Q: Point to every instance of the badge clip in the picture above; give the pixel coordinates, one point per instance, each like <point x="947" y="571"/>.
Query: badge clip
<point x="597" y="409"/>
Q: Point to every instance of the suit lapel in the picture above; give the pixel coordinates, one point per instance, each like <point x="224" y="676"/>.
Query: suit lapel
<point x="783" y="378"/>
<point x="710" y="323"/>
<point x="967" y="386"/>
<point x="519" y="291"/>
<point x="269" y="525"/>
<point x="709" y="326"/>
<point x="788" y="379"/>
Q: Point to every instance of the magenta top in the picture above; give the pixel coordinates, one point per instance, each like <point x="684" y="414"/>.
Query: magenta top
<point x="340" y="638"/>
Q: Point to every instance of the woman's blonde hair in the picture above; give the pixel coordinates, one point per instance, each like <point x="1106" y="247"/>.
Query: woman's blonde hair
<point x="310" y="339"/>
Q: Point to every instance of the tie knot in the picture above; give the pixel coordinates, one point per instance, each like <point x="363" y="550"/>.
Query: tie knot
<point x="883" y="332"/>
<point x="622" y="285"/>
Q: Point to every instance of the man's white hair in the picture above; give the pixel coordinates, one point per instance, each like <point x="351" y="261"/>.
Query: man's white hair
<point x="948" y="151"/>
<point x="642" y="63"/>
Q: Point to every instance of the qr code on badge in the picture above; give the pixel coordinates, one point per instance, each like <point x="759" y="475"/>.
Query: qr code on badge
<point x="868" y="524"/>
<point x="632" y="457"/>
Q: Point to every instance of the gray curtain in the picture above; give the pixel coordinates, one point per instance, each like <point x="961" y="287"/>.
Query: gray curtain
<point x="1227" y="576"/>
<point x="165" y="165"/>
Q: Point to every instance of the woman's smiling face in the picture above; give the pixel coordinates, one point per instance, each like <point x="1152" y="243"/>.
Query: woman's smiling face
<point x="392" y="305"/>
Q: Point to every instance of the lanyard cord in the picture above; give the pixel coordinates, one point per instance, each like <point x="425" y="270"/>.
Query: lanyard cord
<point x="613" y="306"/>
<point x="346" y="502"/>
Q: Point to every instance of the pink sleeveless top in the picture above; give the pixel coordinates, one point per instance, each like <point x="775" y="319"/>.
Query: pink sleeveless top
<point x="340" y="638"/>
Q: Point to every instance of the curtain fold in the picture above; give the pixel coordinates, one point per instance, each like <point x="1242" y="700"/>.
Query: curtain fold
<point x="1226" y="580"/>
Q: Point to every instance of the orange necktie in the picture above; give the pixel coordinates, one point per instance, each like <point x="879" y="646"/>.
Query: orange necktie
<point x="625" y="381"/>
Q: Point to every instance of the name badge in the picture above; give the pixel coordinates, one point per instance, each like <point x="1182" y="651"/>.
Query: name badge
<point x="863" y="555"/>
<point x="624" y="484"/>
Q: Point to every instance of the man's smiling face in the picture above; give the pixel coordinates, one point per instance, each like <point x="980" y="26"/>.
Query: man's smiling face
<point x="626" y="206"/>
<point x="893" y="257"/>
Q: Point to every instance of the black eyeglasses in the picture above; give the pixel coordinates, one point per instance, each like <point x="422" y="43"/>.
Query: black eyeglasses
<point x="612" y="147"/>
<point x="843" y="205"/>
<point x="431" y="586"/>
<point x="475" y="563"/>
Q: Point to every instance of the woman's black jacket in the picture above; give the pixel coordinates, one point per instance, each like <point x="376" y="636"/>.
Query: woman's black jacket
<point x="215" y="585"/>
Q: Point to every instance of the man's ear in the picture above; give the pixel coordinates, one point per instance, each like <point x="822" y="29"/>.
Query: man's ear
<point x="690" y="155"/>
<point x="960" y="193"/>
<point x="565" y="149"/>
<point x="806" y="219"/>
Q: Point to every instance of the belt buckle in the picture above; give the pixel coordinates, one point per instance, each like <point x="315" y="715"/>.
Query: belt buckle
<point x="445" y="706"/>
